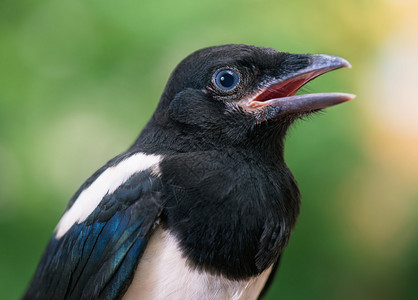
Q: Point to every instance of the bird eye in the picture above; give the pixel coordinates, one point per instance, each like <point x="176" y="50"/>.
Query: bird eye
<point x="226" y="79"/>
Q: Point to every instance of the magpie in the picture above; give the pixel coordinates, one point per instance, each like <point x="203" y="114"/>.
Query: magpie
<point x="202" y="204"/>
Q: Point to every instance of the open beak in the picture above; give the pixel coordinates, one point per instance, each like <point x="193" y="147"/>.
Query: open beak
<point x="280" y="94"/>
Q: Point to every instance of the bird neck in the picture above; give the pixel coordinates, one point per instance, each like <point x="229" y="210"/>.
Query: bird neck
<point x="268" y="140"/>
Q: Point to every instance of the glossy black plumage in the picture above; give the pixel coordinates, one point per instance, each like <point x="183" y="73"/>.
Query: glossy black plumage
<point x="219" y="184"/>
<point x="228" y="216"/>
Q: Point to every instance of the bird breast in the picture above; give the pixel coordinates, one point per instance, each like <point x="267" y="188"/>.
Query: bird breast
<point x="163" y="273"/>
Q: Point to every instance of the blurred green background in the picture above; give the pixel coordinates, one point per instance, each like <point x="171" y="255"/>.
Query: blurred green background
<point x="79" y="79"/>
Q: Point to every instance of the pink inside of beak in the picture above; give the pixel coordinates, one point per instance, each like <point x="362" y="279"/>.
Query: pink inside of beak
<point x="286" y="88"/>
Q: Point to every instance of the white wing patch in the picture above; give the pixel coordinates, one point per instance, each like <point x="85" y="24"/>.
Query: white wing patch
<point x="105" y="184"/>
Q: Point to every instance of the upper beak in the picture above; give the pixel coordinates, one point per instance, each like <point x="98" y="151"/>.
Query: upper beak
<point x="280" y="94"/>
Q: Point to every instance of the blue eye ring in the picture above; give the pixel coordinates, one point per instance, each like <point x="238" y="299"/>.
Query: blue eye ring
<point x="226" y="79"/>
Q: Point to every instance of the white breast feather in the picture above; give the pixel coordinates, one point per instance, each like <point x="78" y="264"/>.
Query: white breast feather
<point x="163" y="274"/>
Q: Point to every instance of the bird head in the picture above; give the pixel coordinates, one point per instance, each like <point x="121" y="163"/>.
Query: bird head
<point x="239" y="94"/>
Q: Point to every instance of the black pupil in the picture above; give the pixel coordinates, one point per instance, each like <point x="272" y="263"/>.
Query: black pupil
<point x="227" y="80"/>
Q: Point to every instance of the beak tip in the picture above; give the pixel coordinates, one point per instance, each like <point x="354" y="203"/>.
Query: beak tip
<point x="330" y="61"/>
<point x="350" y="96"/>
<point x="346" y="64"/>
